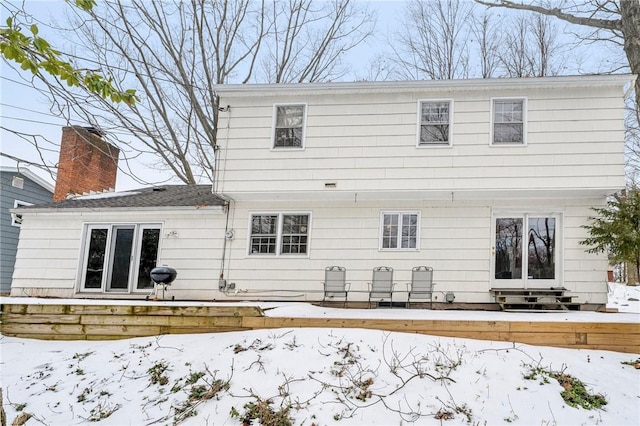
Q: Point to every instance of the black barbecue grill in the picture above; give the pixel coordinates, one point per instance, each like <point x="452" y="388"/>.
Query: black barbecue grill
<point x="162" y="277"/>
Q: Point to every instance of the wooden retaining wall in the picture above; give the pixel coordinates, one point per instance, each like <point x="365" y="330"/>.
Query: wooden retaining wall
<point x="92" y="322"/>
<point x="95" y="322"/>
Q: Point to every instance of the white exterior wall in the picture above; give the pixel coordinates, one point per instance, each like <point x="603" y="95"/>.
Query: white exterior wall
<point x="455" y="239"/>
<point x="51" y="244"/>
<point x="366" y="143"/>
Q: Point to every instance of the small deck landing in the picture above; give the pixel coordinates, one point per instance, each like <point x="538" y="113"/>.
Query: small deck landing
<point x="553" y="298"/>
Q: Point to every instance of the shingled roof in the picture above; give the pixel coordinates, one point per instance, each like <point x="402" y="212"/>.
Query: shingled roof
<point x="157" y="196"/>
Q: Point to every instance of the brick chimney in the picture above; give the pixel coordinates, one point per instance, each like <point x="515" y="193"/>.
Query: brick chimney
<point x="87" y="163"/>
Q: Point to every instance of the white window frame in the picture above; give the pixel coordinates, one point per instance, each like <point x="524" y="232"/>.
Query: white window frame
<point x="524" y="122"/>
<point x="16" y="218"/>
<point x="400" y="214"/>
<point x="449" y="142"/>
<point x="275" y="122"/>
<point x="108" y="261"/>
<point x="279" y="225"/>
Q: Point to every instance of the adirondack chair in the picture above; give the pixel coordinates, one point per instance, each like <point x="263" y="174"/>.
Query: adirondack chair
<point x="381" y="285"/>
<point x="335" y="285"/>
<point x="421" y="285"/>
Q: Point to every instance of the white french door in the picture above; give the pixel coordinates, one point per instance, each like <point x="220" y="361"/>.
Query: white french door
<point x="526" y="250"/>
<point x="118" y="258"/>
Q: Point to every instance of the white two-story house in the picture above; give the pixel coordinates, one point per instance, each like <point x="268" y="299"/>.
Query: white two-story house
<point x="489" y="182"/>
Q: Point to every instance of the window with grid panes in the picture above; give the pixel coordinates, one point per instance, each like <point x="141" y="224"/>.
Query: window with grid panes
<point x="289" y="126"/>
<point x="435" y="123"/>
<point x="279" y="234"/>
<point x="400" y="230"/>
<point x="264" y="232"/>
<point x="508" y="121"/>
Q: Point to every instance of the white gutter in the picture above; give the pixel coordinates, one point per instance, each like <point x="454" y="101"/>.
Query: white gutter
<point x="253" y="90"/>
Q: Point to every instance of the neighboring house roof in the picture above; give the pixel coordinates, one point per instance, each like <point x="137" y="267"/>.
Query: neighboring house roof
<point x="157" y="196"/>
<point x="29" y="175"/>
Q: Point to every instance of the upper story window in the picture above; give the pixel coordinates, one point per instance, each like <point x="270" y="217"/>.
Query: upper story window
<point x="289" y="126"/>
<point x="16" y="218"/>
<point x="435" y="123"/>
<point x="400" y="230"/>
<point x="508" y="121"/>
<point x="279" y="234"/>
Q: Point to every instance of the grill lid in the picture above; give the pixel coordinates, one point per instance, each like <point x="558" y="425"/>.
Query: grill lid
<point x="163" y="275"/>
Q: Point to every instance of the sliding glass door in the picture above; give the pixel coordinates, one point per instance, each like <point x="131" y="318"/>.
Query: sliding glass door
<point x="525" y="251"/>
<point x="118" y="258"/>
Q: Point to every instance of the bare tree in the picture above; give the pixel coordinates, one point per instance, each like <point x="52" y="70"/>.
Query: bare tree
<point x="614" y="21"/>
<point x="530" y="48"/>
<point x="302" y="52"/>
<point x="489" y="38"/>
<point x="175" y="53"/>
<point x="611" y="21"/>
<point x="514" y="54"/>
<point x="434" y="41"/>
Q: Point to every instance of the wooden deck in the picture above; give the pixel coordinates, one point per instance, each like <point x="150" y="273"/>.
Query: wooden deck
<point x="103" y="322"/>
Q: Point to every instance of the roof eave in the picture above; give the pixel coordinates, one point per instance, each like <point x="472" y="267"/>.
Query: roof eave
<point x="131" y="210"/>
<point x="253" y="90"/>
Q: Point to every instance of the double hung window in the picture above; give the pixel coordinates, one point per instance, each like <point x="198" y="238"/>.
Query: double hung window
<point x="279" y="234"/>
<point x="289" y="126"/>
<point x="435" y="123"/>
<point x="119" y="258"/>
<point x="400" y="230"/>
<point x="508" y="121"/>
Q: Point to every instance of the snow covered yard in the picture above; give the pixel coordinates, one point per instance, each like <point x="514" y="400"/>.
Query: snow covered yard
<point x="321" y="377"/>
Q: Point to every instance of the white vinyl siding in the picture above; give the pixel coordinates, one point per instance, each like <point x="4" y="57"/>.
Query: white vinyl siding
<point x="49" y="259"/>
<point x="366" y="143"/>
<point x="435" y="122"/>
<point x="455" y="239"/>
<point x="508" y="121"/>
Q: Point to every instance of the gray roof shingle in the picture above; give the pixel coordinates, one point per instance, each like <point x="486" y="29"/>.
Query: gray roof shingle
<point x="157" y="196"/>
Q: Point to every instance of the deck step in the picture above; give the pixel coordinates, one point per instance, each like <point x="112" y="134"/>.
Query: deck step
<point x="535" y="298"/>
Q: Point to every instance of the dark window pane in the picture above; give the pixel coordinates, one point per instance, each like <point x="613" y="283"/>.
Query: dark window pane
<point x="508" y="257"/>
<point x="434" y="122"/>
<point x="508" y="133"/>
<point x="95" y="258"/>
<point x="263" y="234"/>
<point x="289" y="124"/>
<point x="438" y="133"/>
<point x="541" y="248"/>
<point x="508" y="121"/>
<point x="295" y="229"/>
<point x="288" y="137"/>
<point x="121" y="259"/>
<point x="148" y="257"/>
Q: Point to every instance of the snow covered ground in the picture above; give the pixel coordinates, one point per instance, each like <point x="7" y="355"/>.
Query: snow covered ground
<point x="321" y="377"/>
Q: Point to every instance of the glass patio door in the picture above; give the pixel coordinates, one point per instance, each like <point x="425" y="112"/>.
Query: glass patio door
<point x="118" y="258"/>
<point x="525" y="251"/>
